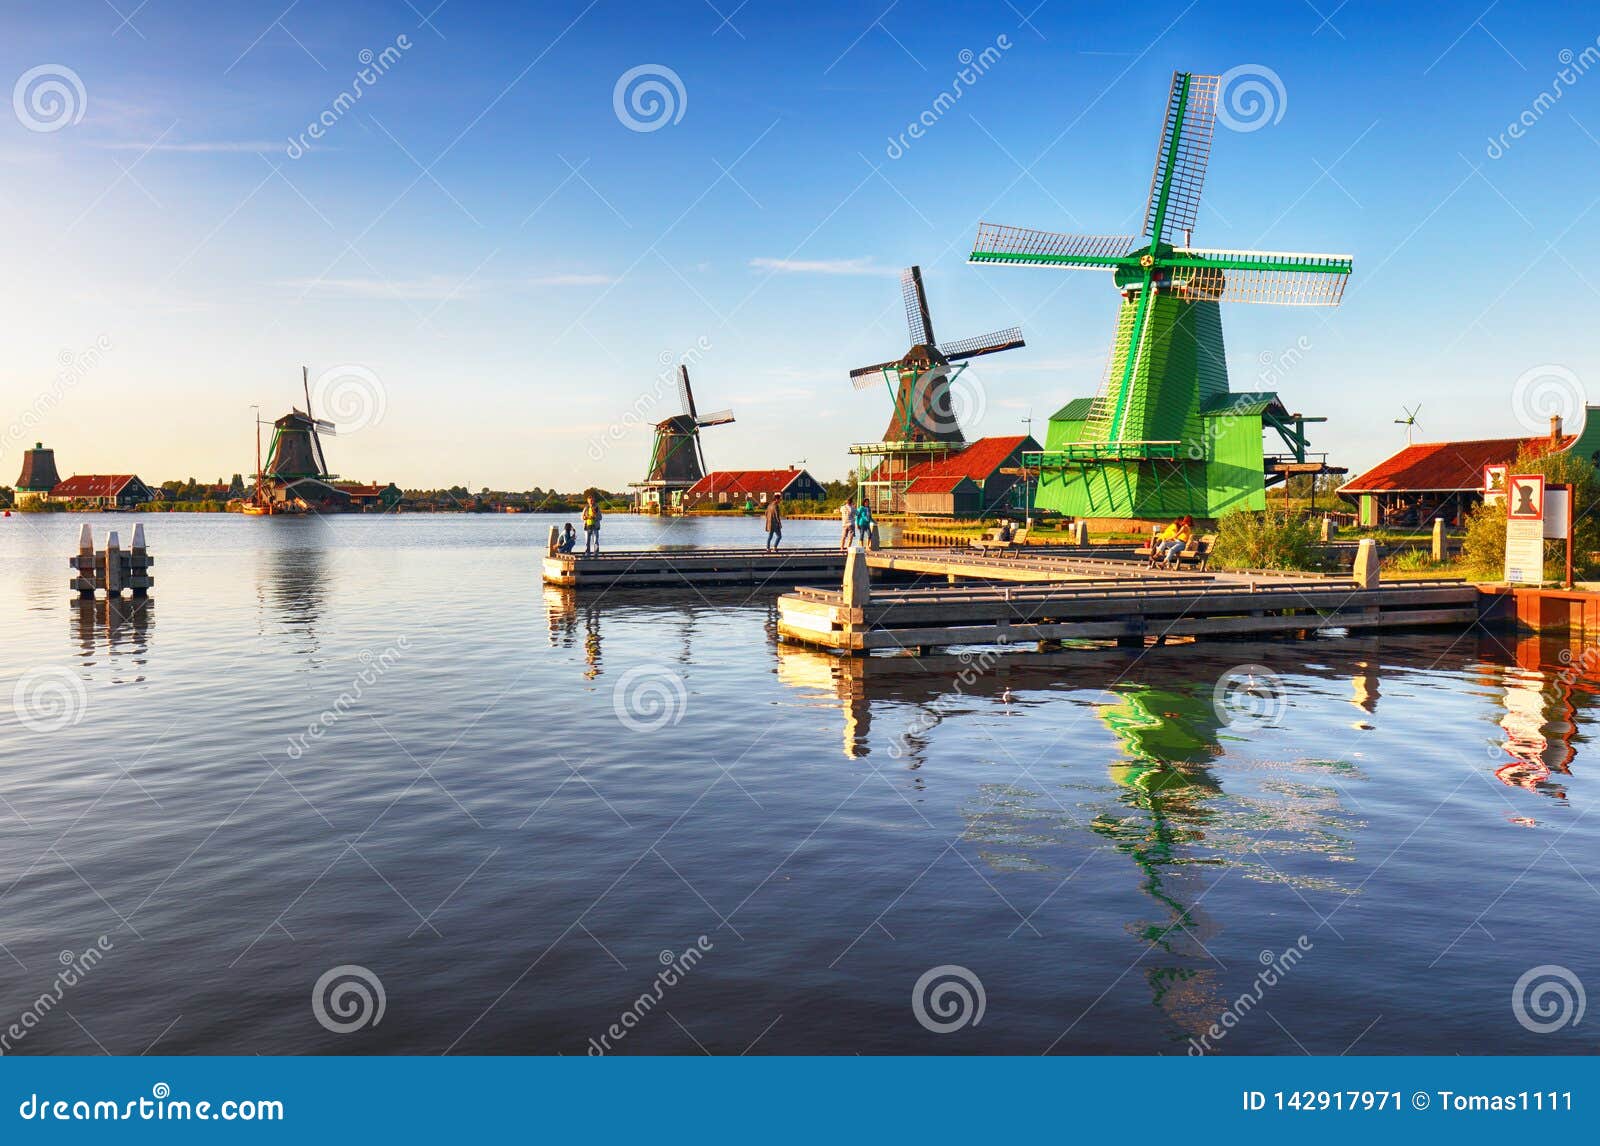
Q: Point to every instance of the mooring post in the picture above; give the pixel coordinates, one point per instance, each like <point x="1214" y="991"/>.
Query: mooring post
<point x="857" y="583"/>
<point x="553" y="542"/>
<point x="83" y="563"/>
<point x="1329" y="529"/>
<point x="139" y="562"/>
<point x="1366" y="568"/>
<point x="1080" y="532"/>
<point x="113" y="558"/>
<point x="1438" y="539"/>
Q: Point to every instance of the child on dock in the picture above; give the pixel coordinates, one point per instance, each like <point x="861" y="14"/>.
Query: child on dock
<point x="591" y="527"/>
<point x="847" y="520"/>
<point x="774" y="518"/>
<point x="569" y="539"/>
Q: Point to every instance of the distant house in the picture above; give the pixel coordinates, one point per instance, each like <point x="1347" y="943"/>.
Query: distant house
<point x="1445" y="479"/>
<point x="377" y="498"/>
<point x="952" y="496"/>
<point x="724" y="488"/>
<point x="992" y="465"/>
<point x="106" y="491"/>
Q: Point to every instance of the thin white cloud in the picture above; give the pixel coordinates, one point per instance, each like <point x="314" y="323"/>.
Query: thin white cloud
<point x="198" y="146"/>
<point x="572" y="280"/>
<point x="435" y="287"/>
<point x="864" y="266"/>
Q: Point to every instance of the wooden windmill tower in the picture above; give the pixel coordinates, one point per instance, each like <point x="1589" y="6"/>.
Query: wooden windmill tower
<point x="676" y="459"/>
<point x="1165" y="436"/>
<point x="296" y="449"/>
<point x="924" y="423"/>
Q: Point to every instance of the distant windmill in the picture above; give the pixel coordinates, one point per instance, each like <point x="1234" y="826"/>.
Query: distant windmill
<point x="920" y="379"/>
<point x="676" y="459"/>
<point x="296" y="450"/>
<point x="1409" y="421"/>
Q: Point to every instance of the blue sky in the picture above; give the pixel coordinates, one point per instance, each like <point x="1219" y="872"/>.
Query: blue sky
<point x="491" y="266"/>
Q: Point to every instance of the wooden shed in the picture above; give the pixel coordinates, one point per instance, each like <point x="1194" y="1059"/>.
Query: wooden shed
<point x="950" y="495"/>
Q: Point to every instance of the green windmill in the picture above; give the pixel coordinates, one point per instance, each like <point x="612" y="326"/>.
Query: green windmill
<point x="1165" y="436"/>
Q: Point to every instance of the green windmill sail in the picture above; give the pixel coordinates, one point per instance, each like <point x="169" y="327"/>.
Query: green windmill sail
<point x="1164" y="435"/>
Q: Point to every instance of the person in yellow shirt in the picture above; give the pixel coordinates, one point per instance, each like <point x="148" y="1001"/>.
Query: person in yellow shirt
<point x="1174" y="539"/>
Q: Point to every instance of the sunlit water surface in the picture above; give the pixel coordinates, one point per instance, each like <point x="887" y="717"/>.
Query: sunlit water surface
<point x="475" y="824"/>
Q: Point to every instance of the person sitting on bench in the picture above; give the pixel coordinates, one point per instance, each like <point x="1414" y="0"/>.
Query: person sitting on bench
<point x="1175" y="539"/>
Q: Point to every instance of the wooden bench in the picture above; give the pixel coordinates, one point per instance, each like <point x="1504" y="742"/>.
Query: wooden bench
<point x="991" y="539"/>
<point x="1196" y="553"/>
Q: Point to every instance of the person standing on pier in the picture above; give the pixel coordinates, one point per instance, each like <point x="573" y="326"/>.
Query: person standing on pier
<point x="774" y="521"/>
<point x="847" y="520"/>
<point x="864" y="524"/>
<point x="591" y="526"/>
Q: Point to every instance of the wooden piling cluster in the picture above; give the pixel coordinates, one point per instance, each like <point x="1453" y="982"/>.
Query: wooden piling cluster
<point x="1127" y="611"/>
<point x="111" y="569"/>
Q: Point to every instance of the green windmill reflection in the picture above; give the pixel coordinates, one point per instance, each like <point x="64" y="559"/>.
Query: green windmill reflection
<point x="1169" y="737"/>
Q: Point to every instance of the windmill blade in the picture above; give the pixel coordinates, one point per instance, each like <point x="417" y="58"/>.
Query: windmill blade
<point x="1027" y="247"/>
<point x="720" y="418"/>
<point x="1008" y="339"/>
<point x="1275" y="277"/>
<point x="917" y="317"/>
<point x="1181" y="158"/>
<point x="863" y="377"/>
<point x="685" y="392"/>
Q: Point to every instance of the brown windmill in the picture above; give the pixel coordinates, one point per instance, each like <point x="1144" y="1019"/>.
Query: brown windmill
<point x="676" y="460"/>
<point x="924" y="423"/>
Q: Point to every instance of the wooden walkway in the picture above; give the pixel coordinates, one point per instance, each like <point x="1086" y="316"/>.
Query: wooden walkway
<point x="1128" y="611"/>
<point x="1023" y="565"/>
<point x="644" y="568"/>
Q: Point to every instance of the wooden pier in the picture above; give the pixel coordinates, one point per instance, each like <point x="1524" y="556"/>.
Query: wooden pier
<point x="1022" y="565"/>
<point x="1129" y="611"/>
<point x="645" y="568"/>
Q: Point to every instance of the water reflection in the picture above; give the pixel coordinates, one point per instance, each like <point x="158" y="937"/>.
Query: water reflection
<point x="294" y="585"/>
<point x="571" y="620"/>
<point x="115" y="631"/>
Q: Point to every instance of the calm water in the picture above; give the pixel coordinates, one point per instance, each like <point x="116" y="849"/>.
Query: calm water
<point x="518" y="804"/>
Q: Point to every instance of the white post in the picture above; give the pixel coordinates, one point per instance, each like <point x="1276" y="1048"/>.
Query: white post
<point x="1080" y="532"/>
<point x="84" y="582"/>
<point x="113" y="565"/>
<point x="553" y="541"/>
<point x="857" y="585"/>
<point x="1366" y="570"/>
<point x="1438" y="539"/>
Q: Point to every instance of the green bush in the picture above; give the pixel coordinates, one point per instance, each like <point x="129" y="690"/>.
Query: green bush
<point x="1267" y="539"/>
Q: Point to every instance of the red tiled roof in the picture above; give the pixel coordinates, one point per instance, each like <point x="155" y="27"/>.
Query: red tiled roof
<point x="936" y="483"/>
<point x="1443" y="466"/>
<point x="979" y="461"/>
<point x="92" y="485"/>
<point x="744" y="481"/>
